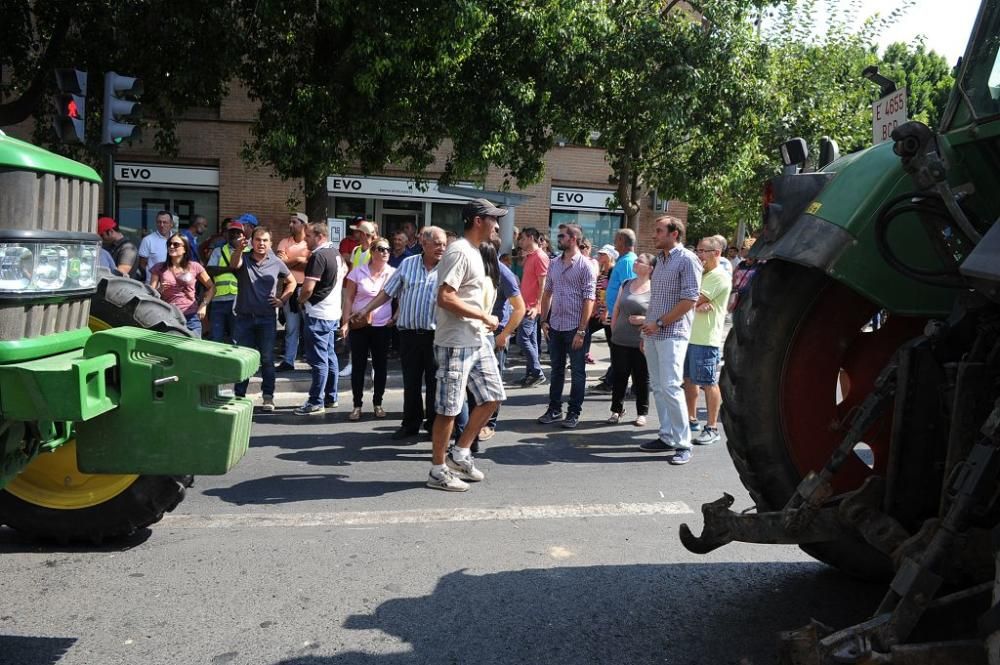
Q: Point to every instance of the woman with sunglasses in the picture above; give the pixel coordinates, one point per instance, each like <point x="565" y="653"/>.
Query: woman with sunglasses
<point x="175" y="280"/>
<point x="368" y="333"/>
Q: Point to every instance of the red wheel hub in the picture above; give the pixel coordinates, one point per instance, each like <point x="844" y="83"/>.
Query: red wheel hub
<point x="829" y="340"/>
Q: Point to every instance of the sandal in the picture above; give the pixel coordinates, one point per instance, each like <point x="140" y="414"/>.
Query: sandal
<point x="355" y="414"/>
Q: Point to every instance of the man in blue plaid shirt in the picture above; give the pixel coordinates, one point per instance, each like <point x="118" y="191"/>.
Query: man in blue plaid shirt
<point x="674" y="288"/>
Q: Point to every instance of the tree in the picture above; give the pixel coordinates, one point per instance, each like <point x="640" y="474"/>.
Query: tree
<point x="344" y="85"/>
<point x="184" y="50"/>
<point x="669" y="94"/>
<point x="926" y="76"/>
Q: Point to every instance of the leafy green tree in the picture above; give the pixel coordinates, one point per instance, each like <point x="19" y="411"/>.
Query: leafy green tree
<point x="185" y="51"/>
<point x="344" y="85"/>
<point x="926" y="76"/>
<point x="670" y="94"/>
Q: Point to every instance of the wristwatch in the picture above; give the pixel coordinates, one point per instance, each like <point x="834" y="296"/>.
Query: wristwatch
<point x="660" y="323"/>
<point x="581" y="333"/>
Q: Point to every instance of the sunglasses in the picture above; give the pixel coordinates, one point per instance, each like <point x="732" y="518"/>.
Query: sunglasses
<point x="175" y="244"/>
<point x="381" y="248"/>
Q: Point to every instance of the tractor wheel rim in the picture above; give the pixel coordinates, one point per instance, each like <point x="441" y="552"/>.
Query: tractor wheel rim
<point x="829" y="340"/>
<point x="53" y="480"/>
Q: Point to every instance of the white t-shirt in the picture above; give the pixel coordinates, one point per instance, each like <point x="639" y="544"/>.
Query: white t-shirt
<point x="462" y="269"/>
<point x="153" y="248"/>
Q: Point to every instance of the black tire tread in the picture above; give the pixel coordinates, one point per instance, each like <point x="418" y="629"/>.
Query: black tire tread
<point x="764" y="324"/>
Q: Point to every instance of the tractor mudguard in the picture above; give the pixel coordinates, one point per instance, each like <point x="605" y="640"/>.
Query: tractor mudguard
<point x="826" y="220"/>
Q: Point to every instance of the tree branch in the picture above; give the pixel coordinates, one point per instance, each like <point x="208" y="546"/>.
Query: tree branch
<point x="24" y="106"/>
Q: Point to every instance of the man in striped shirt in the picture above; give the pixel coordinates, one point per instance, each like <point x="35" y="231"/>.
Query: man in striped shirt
<point x="570" y="289"/>
<point x="414" y="285"/>
<point x="673" y="291"/>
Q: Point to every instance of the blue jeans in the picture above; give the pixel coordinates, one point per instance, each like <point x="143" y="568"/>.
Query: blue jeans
<point x="560" y="346"/>
<point x="194" y="324"/>
<point x="322" y="360"/>
<point x="258" y="332"/>
<point x="665" y="359"/>
<point x="293" y="326"/>
<point x="527" y="339"/>
<point x="220" y="313"/>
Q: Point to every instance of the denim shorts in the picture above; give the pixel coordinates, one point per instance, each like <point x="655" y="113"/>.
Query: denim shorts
<point x="701" y="365"/>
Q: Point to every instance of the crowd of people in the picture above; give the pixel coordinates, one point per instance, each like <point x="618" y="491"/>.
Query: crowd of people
<point x="450" y="307"/>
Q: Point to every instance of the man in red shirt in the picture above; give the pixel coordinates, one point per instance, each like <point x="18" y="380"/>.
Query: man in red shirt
<point x="536" y="267"/>
<point x="352" y="239"/>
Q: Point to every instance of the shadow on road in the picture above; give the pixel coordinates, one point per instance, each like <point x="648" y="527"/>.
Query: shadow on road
<point x="681" y="614"/>
<point x="291" y="488"/>
<point x="20" y="650"/>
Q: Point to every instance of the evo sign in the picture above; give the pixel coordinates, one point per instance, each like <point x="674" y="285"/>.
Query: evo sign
<point x="154" y="174"/>
<point x="581" y="199"/>
<point x="887" y="114"/>
<point x="387" y="188"/>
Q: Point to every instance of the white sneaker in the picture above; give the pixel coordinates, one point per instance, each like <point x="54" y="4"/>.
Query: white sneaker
<point x="268" y="404"/>
<point x="614" y="418"/>
<point x="706" y="436"/>
<point x="346" y="371"/>
<point x="446" y="481"/>
<point x="640" y="421"/>
<point x="466" y="468"/>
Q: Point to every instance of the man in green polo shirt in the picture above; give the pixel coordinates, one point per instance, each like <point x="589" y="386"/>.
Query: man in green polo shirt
<point x="701" y="365"/>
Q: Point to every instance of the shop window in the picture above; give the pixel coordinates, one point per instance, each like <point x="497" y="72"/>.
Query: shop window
<point x="137" y="208"/>
<point x="345" y="207"/>
<point x="598" y="227"/>
<point x="448" y="216"/>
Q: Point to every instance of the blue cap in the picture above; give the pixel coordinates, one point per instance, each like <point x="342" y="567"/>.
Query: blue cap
<point x="247" y="218"/>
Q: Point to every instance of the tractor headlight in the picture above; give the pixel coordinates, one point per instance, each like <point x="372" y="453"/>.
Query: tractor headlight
<point x="39" y="264"/>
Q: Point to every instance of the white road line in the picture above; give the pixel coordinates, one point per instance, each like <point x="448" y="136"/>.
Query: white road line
<point x="238" y="520"/>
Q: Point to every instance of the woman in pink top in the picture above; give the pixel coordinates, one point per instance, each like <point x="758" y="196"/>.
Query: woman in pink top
<point x="360" y="288"/>
<point x="175" y="280"/>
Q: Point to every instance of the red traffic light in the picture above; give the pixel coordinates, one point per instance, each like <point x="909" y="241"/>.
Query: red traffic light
<point x="71" y="109"/>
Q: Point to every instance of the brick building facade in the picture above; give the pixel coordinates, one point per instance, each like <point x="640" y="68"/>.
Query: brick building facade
<point x="209" y="177"/>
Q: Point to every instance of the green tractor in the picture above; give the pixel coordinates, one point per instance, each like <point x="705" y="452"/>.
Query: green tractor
<point x="108" y="407"/>
<point x="876" y="448"/>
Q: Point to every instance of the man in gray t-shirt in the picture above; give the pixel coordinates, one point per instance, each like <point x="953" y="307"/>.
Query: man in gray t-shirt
<point x="258" y="273"/>
<point x="463" y="352"/>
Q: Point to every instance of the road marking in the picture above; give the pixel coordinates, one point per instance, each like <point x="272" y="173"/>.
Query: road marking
<point x="238" y="520"/>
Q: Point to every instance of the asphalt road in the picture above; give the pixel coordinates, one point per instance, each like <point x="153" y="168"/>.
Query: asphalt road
<point x="323" y="547"/>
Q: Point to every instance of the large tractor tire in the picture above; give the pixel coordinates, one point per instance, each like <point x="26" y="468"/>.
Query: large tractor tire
<point x="796" y="337"/>
<point x="51" y="499"/>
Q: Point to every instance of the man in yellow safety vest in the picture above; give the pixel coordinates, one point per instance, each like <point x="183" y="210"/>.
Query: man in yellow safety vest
<point x="221" y="308"/>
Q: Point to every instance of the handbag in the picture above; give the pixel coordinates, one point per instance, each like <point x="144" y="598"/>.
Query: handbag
<point x="358" y="325"/>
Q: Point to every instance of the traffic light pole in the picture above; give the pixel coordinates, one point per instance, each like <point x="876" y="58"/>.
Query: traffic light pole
<point x="109" y="181"/>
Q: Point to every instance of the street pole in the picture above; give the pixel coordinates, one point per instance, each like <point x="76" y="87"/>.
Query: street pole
<point x="109" y="181"/>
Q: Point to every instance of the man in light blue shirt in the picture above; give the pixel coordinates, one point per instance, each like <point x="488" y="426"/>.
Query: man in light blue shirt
<point x="621" y="273"/>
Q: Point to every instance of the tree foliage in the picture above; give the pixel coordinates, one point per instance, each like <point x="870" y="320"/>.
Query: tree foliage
<point x="184" y="50"/>
<point x="342" y="84"/>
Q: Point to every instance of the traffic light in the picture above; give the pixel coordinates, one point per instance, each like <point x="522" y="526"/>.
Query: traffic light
<point x="71" y="104"/>
<point x="117" y="109"/>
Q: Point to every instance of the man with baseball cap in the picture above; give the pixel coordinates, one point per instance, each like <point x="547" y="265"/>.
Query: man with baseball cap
<point x="462" y="348"/>
<point x="351" y="238"/>
<point x="367" y="235"/>
<point x="123" y="253"/>
<point x="221" y="308"/>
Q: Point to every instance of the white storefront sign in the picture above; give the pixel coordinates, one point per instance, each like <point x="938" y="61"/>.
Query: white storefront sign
<point x="887" y="114"/>
<point x="156" y="174"/>
<point x="581" y="199"/>
<point x="388" y="188"/>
